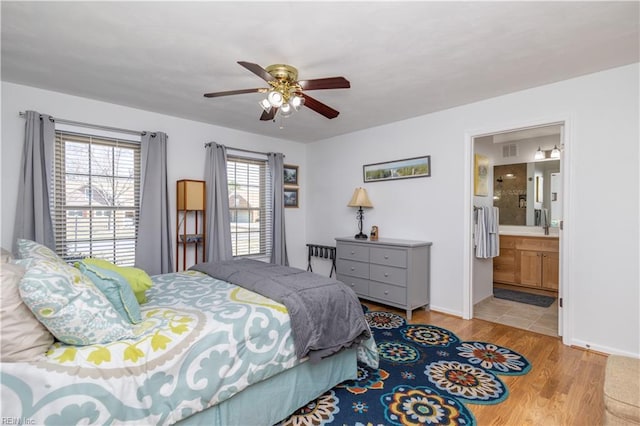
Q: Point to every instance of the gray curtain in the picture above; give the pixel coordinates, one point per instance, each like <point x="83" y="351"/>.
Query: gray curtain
<point x="33" y="212"/>
<point x="153" y="244"/>
<point x="218" y="238"/>
<point x="278" y="240"/>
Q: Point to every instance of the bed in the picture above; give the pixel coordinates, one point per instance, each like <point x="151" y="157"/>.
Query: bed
<point x="206" y="349"/>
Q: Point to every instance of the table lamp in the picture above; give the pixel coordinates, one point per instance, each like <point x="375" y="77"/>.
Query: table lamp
<point x="360" y="199"/>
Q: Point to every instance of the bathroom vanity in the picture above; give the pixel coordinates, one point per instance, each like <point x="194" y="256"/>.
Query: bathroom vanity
<point x="528" y="261"/>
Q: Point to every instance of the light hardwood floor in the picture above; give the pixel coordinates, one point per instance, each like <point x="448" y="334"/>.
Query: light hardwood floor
<point x="564" y="386"/>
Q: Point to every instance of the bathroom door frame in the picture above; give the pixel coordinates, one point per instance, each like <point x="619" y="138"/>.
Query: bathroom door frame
<point x="565" y="323"/>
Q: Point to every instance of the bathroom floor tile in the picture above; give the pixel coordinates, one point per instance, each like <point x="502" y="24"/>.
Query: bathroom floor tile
<point x="520" y="315"/>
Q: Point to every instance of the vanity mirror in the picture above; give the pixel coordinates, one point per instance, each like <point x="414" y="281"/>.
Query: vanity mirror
<point x="525" y="192"/>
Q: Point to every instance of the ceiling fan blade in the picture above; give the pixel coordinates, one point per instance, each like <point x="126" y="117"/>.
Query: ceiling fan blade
<point x="325" y="83"/>
<point x="257" y="70"/>
<point x="319" y="107"/>
<point x="267" y="116"/>
<point x="234" y="92"/>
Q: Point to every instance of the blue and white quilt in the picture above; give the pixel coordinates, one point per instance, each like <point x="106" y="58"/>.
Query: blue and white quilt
<point x="201" y="341"/>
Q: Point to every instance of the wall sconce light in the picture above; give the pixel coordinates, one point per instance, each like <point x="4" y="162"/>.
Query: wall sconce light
<point x="551" y="153"/>
<point x="360" y="199"/>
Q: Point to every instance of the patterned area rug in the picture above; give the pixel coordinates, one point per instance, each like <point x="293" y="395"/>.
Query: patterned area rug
<point x="426" y="376"/>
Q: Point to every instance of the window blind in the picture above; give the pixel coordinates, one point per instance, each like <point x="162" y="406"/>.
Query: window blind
<point x="96" y="189"/>
<point x="249" y="184"/>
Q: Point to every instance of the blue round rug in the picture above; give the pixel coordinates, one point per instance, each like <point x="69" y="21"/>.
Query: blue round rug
<point x="426" y="376"/>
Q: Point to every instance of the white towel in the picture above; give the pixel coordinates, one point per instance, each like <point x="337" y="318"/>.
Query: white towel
<point x="486" y="236"/>
<point x="480" y="233"/>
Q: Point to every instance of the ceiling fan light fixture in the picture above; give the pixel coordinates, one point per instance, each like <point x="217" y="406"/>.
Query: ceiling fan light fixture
<point x="275" y="98"/>
<point x="296" y="102"/>
<point x="286" y="110"/>
<point x="265" y="105"/>
<point x="285" y="88"/>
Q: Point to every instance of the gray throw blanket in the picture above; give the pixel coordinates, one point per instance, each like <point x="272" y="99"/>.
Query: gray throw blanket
<point x="326" y="315"/>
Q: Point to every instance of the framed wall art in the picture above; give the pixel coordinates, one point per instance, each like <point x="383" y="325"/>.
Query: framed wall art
<point x="480" y="175"/>
<point x="291" y="197"/>
<point x="290" y="175"/>
<point x="399" y="169"/>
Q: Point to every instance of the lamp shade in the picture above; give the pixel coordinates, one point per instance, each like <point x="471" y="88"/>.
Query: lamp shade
<point x="360" y="199"/>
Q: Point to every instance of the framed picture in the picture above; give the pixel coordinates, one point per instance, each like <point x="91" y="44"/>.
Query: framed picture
<point x="290" y="174"/>
<point x="291" y="197"/>
<point x="480" y="175"/>
<point x="399" y="169"/>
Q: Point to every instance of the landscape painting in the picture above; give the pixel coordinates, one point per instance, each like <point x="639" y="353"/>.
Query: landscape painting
<point x="400" y="169"/>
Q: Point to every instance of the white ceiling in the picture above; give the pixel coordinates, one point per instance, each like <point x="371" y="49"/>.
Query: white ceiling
<point x="403" y="59"/>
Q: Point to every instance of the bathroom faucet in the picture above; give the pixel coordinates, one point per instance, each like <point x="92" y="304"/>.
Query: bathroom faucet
<point x="545" y="221"/>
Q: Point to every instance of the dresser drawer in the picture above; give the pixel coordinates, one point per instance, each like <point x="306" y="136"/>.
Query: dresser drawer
<point x="353" y="269"/>
<point x="359" y="285"/>
<point x="353" y="252"/>
<point x="390" y="257"/>
<point x="388" y="292"/>
<point x="388" y="274"/>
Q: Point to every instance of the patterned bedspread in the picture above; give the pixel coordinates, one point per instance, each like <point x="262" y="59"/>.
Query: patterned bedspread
<point x="201" y="341"/>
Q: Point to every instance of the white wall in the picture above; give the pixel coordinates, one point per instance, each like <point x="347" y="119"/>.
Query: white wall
<point x="483" y="268"/>
<point x="185" y="148"/>
<point x="603" y="304"/>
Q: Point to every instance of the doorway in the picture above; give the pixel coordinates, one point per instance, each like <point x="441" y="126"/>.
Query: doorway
<point x="525" y="182"/>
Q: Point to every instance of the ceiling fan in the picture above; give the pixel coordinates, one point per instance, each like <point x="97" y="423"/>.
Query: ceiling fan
<point x="285" y="92"/>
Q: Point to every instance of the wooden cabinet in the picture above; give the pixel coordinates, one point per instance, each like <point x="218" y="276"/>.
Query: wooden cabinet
<point x="528" y="262"/>
<point x="550" y="271"/>
<point x="504" y="266"/>
<point x="393" y="272"/>
<point x="190" y="223"/>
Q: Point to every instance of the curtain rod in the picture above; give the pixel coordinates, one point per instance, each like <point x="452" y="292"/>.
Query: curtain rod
<point x="92" y="126"/>
<point x="239" y="149"/>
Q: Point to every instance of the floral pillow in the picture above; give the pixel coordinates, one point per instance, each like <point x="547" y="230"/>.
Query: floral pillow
<point x="70" y="305"/>
<point x="28" y="249"/>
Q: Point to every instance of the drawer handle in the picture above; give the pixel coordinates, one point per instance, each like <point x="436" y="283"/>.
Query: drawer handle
<point x="353" y="285"/>
<point x="353" y="252"/>
<point x="353" y="269"/>
<point x="386" y="257"/>
<point x="386" y="275"/>
<point x="386" y="292"/>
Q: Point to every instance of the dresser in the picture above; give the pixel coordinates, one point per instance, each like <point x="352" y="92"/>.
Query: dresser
<point x="388" y="271"/>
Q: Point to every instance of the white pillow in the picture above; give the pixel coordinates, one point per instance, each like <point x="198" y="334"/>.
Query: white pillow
<point x="22" y="337"/>
<point x="5" y="256"/>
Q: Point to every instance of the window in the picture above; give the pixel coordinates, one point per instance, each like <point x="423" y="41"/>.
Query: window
<point x="96" y="197"/>
<point x="249" y="183"/>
